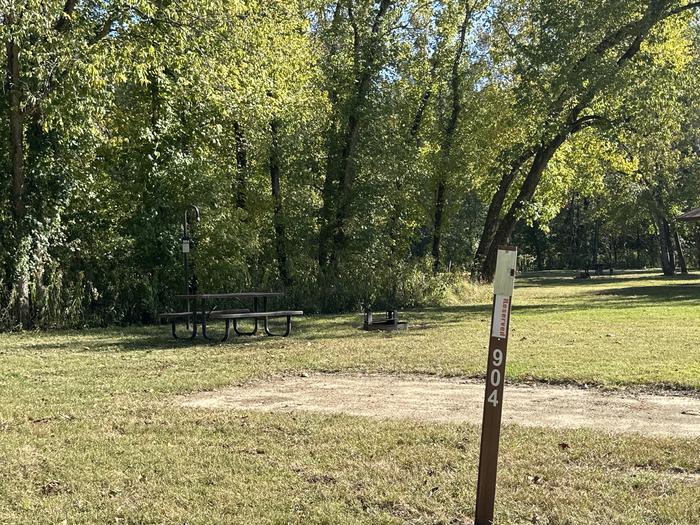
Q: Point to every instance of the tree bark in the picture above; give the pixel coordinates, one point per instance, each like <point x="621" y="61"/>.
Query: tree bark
<point x="241" y="166"/>
<point x="669" y="242"/>
<point x="681" y="256"/>
<point x="494" y="211"/>
<point x="663" y="234"/>
<point x="666" y="247"/>
<point x="278" y="219"/>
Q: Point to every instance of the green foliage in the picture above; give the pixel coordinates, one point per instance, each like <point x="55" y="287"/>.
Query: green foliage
<point x="130" y="111"/>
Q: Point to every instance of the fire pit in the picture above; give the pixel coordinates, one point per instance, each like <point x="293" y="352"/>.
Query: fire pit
<point x="390" y="322"/>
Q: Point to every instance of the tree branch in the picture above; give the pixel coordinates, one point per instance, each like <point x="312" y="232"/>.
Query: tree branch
<point x="104" y="30"/>
<point x="63" y="21"/>
<point x="355" y="36"/>
<point x="681" y="9"/>
<point x="587" y="121"/>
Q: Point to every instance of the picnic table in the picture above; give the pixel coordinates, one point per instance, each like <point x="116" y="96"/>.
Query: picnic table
<point x="200" y="312"/>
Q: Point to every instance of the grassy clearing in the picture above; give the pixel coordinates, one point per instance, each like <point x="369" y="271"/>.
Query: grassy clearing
<point x="88" y="432"/>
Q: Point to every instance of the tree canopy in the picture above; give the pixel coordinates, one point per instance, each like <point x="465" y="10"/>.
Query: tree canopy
<point x="351" y="152"/>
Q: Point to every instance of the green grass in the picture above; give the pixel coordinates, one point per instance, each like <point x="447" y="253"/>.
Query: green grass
<point x="89" y="432"/>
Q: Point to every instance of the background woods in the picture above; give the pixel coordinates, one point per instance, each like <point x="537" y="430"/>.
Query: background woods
<point x="352" y="152"/>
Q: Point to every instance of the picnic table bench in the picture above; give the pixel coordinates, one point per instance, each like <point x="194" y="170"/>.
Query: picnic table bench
<point x="265" y="316"/>
<point x="200" y="313"/>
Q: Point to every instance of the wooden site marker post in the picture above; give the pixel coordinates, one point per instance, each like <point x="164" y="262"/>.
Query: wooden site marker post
<point x="504" y="281"/>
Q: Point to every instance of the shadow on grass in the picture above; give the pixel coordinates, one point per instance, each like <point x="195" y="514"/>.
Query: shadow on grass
<point x="337" y="327"/>
<point x="636" y="292"/>
<point x="537" y="280"/>
<point x="672" y="293"/>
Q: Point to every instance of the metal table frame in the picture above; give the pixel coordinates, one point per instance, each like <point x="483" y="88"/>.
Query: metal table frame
<point x="202" y="299"/>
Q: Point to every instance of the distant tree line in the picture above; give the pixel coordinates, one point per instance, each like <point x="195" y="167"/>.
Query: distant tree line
<point x="349" y="152"/>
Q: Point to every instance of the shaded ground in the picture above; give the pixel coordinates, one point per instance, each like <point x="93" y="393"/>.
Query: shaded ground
<point x="455" y="401"/>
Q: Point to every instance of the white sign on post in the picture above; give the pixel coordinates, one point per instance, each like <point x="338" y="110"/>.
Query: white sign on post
<point x="186" y="246"/>
<point x="503" y="284"/>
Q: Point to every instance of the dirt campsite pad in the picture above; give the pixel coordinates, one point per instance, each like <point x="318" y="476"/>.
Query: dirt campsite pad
<point x="456" y="401"/>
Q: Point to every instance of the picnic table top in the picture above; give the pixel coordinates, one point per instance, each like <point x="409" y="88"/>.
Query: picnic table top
<point x="236" y="295"/>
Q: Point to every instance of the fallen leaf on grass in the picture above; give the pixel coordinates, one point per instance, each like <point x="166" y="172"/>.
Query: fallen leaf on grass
<point x="54" y="487"/>
<point x="254" y="451"/>
<point x="41" y="419"/>
<point x="536" y="480"/>
<point x="321" y="478"/>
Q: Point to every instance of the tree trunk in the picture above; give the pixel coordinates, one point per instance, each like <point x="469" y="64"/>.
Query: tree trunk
<point x="341" y="171"/>
<point x="278" y="220"/>
<point x="596" y="239"/>
<point x="681" y="257"/>
<point x="668" y="243"/>
<point x="438" y="223"/>
<point x="527" y="192"/>
<point x="663" y="235"/>
<point x="494" y="211"/>
<point x="537" y="244"/>
<point x="19" y="273"/>
<point x="241" y="165"/>
<point x="14" y="95"/>
<point x="450" y="129"/>
<point x="665" y="250"/>
<point x="697" y="247"/>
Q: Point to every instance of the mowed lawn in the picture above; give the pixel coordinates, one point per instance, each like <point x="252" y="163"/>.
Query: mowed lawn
<point x="90" y="432"/>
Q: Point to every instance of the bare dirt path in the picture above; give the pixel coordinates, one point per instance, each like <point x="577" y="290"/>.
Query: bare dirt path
<point x="457" y="401"/>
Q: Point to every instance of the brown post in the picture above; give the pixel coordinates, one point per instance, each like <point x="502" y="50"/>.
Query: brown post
<point x="504" y="280"/>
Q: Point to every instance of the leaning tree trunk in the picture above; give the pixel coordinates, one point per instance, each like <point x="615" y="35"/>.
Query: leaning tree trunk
<point x="681" y="256"/>
<point x="665" y="243"/>
<point x="494" y="211"/>
<point x="527" y="192"/>
<point x="582" y="93"/>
